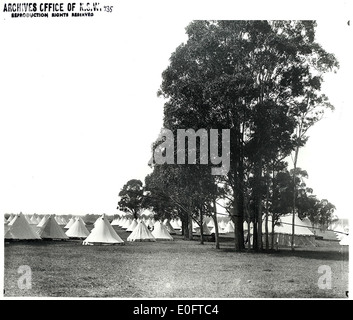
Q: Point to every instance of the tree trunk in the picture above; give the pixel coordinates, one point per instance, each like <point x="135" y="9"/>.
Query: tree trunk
<point x="201" y="225"/>
<point x="273" y="214"/>
<point x="190" y="226"/>
<point x="293" y="220"/>
<point x="214" y="217"/>
<point x="254" y="231"/>
<point x="294" y="195"/>
<point x="259" y="204"/>
<point x="266" y="216"/>
<point x="273" y="232"/>
<point x="237" y="176"/>
<point x="249" y="234"/>
<point x="248" y="219"/>
<point x="241" y="233"/>
<point x="241" y="195"/>
<point x="238" y="227"/>
<point x="186" y="227"/>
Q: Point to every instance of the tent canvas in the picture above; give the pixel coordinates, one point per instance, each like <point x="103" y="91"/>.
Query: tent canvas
<point x="59" y="221"/>
<point x="42" y="221"/>
<point x="339" y="223"/>
<point x="33" y="220"/>
<point x="210" y="224"/>
<point x="344" y="240"/>
<point x="205" y="229"/>
<point x="11" y="217"/>
<point x="70" y="223"/>
<point x="147" y="213"/>
<point x="122" y="221"/>
<point x="340" y="231"/>
<point x="285" y="226"/>
<point x="149" y="223"/>
<point x="6" y="226"/>
<point x="109" y="226"/>
<point x="62" y="220"/>
<point x="169" y="227"/>
<point x="103" y="233"/>
<point x="160" y="232"/>
<point x="115" y="222"/>
<point x="229" y="227"/>
<point x="221" y="224"/>
<point x="220" y="230"/>
<point x="94" y="223"/>
<point x="77" y="230"/>
<point x="20" y="229"/>
<point x="303" y="236"/>
<point x="175" y="225"/>
<point x="126" y="224"/>
<point x="51" y="230"/>
<point x="132" y="226"/>
<point x="141" y="233"/>
<point x="83" y="221"/>
<point x="306" y="222"/>
<point x="178" y="221"/>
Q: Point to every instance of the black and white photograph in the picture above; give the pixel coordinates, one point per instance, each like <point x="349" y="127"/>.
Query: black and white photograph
<point x="175" y="150"/>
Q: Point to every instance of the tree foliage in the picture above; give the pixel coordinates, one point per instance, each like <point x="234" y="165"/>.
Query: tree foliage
<point x="262" y="81"/>
<point x="131" y="197"/>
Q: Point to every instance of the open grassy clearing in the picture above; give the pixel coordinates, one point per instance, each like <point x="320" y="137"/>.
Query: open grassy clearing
<point x="176" y="269"/>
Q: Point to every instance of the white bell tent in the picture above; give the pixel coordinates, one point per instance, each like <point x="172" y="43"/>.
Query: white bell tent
<point x="77" y="230"/>
<point x="175" y="225"/>
<point x="205" y="229"/>
<point x="70" y="223"/>
<point x="141" y="233"/>
<point x="20" y="229"/>
<point x="229" y="227"/>
<point x="51" y="230"/>
<point x="132" y="226"/>
<point x="160" y="232"/>
<point x="103" y="234"/>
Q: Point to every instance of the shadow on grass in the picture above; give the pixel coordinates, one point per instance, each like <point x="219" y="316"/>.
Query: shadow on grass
<point x="328" y="254"/>
<point x="41" y="243"/>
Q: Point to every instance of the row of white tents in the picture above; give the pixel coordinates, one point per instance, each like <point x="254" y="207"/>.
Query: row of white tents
<point x="129" y="223"/>
<point x="304" y="232"/>
<point x="20" y="227"/>
<point x="102" y="233"/>
<point x="146" y="229"/>
<point x="174" y="225"/>
<point x="39" y="220"/>
<point x="341" y="230"/>
<point x="282" y="230"/>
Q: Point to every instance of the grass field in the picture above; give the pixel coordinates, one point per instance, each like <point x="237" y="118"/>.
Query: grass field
<point x="175" y="269"/>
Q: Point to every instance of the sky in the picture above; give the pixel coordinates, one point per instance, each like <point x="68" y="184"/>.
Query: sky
<point x="79" y="108"/>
